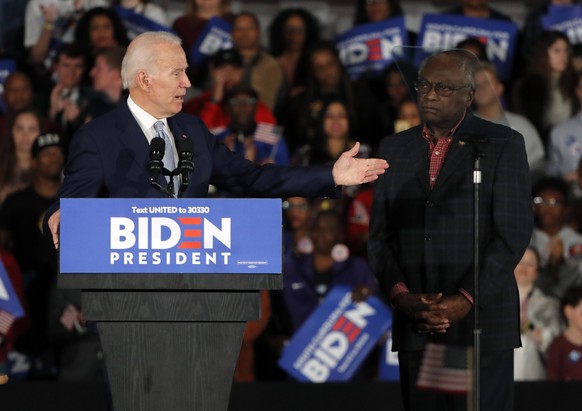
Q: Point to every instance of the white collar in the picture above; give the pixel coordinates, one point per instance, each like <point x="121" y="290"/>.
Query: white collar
<point x="145" y="119"/>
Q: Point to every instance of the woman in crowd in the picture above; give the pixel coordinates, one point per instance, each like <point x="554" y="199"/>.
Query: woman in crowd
<point x="539" y="320"/>
<point x="546" y="94"/>
<point x="333" y="137"/>
<point x="100" y="28"/>
<point x="15" y="151"/>
<point x="398" y="80"/>
<point x="291" y="33"/>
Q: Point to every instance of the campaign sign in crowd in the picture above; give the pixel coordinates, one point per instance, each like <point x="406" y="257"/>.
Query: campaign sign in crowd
<point x="335" y="340"/>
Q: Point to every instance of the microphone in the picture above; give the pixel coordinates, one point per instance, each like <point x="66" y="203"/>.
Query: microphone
<point x="185" y="148"/>
<point x="156" y="165"/>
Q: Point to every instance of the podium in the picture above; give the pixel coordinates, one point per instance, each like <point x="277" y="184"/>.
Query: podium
<point x="170" y="284"/>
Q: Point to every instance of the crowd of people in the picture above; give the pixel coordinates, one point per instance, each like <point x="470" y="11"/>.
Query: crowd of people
<point x="287" y="101"/>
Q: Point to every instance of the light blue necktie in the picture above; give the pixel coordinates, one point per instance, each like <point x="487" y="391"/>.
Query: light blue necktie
<point x="169" y="160"/>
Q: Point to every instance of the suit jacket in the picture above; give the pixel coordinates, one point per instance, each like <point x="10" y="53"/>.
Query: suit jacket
<point x="109" y="156"/>
<point x="425" y="238"/>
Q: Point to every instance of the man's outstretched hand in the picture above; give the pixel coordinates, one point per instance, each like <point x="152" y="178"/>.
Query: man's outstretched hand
<point x="351" y="171"/>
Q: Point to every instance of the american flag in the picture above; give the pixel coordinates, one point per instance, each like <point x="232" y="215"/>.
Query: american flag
<point x="267" y="133"/>
<point x="6" y="321"/>
<point x="444" y="369"/>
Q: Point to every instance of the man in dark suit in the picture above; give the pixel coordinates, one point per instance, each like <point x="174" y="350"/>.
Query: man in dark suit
<point x="422" y="234"/>
<point x="109" y="156"/>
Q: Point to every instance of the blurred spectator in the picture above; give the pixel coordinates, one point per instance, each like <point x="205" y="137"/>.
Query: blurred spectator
<point x="262" y="71"/>
<point x="478" y="9"/>
<point x="291" y="34"/>
<point x="575" y="210"/>
<point x="98" y="28"/>
<point x="565" y="352"/>
<point x="475" y="46"/>
<point x="68" y="97"/>
<point x="226" y="71"/>
<point x="488" y="91"/>
<point x="15" y="156"/>
<point x="146" y="8"/>
<point x="245" y="365"/>
<point x="358" y="222"/>
<point x="546" y="94"/>
<point x="106" y="75"/>
<point x="298" y="213"/>
<point x="373" y="11"/>
<point x="17" y="95"/>
<point x="565" y="146"/>
<point x="408" y="116"/>
<point x="21" y="217"/>
<point x="309" y="277"/>
<point x="539" y="320"/>
<point x="258" y="142"/>
<point x="334" y="135"/>
<point x="190" y="25"/>
<point x="50" y="23"/>
<point x="398" y="79"/>
<point x="560" y="247"/>
<point x="327" y="77"/>
<point x="12" y="14"/>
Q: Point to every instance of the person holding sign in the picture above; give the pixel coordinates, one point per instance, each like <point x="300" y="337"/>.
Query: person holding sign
<point x="421" y="242"/>
<point x="109" y="156"/>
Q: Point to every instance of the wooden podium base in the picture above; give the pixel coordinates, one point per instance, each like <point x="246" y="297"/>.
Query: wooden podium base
<point x="178" y="366"/>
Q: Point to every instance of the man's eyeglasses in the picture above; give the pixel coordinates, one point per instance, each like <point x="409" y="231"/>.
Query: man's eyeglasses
<point x="550" y="202"/>
<point x="441" y="89"/>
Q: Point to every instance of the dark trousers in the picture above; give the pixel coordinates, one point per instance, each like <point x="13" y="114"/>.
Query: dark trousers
<point x="496" y="384"/>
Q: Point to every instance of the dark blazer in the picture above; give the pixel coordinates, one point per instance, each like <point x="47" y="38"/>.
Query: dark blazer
<point x="424" y="237"/>
<point x="108" y="158"/>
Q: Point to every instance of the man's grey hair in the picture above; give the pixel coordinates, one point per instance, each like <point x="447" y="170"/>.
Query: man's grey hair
<point x="467" y="61"/>
<point x="140" y="54"/>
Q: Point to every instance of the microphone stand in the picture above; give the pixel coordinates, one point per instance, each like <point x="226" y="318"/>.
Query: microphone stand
<point x="169" y="191"/>
<point x="478" y="154"/>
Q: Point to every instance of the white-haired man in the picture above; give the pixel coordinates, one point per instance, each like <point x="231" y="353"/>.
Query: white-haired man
<point x="109" y="156"/>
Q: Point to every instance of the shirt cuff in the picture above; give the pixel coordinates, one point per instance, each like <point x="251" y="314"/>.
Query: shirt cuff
<point x="398" y="288"/>
<point x="466" y="294"/>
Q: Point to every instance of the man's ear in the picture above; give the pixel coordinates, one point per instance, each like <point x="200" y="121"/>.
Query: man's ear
<point x="143" y="80"/>
<point x="470" y="96"/>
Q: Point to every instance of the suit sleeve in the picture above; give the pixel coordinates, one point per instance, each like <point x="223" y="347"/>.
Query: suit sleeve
<point x="380" y="252"/>
<point x="241" y="176"/>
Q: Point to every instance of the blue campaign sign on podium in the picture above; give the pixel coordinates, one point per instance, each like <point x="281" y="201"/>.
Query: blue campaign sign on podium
<point x="184" y="236"/>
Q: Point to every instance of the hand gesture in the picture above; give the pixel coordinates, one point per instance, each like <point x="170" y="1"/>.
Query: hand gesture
<point x="349" y="170"/>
